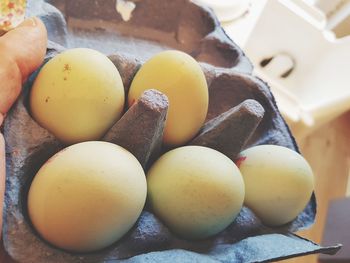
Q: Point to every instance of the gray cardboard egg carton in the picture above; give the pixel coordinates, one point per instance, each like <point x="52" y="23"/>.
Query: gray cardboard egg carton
<point x="235" y="104"/>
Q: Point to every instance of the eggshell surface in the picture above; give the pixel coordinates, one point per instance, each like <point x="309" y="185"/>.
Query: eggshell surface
<point x="195" y="190"/>
<point x="182" y="80"/>
<point x="279" y="182"/>
<point x="78" y="95"/>
<point x="87" y="196"/>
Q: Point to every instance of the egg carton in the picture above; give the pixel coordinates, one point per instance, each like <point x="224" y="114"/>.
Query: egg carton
<point x="239" y="102"/>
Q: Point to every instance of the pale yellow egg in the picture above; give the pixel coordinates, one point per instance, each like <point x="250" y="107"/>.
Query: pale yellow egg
<point x="196" y="191"/>
<point x="279" y="182"/>
<point x="78" y="95"/>
<point x="87" y="196"/>
<point x="182" y="80"/>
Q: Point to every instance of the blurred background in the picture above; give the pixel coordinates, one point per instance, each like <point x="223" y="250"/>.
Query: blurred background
<point x="302" y="49"/>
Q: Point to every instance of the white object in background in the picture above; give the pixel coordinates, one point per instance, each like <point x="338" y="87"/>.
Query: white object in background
<point x="326" y="6"/>
<point x="227" y="10"/>
<point x="239" y="29"/>
<point x="125" y="9"/>
<point x="337" y="13"/>
<point x="339" y="21"/>
<point x="318" y="88"/>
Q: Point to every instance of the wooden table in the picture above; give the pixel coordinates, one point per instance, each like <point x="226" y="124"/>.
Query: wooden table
<point x="328" y="151"/>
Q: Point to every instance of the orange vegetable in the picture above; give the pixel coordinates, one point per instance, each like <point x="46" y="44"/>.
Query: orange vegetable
<point x="2" y="176"/>
<point x="22" y="50"/>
